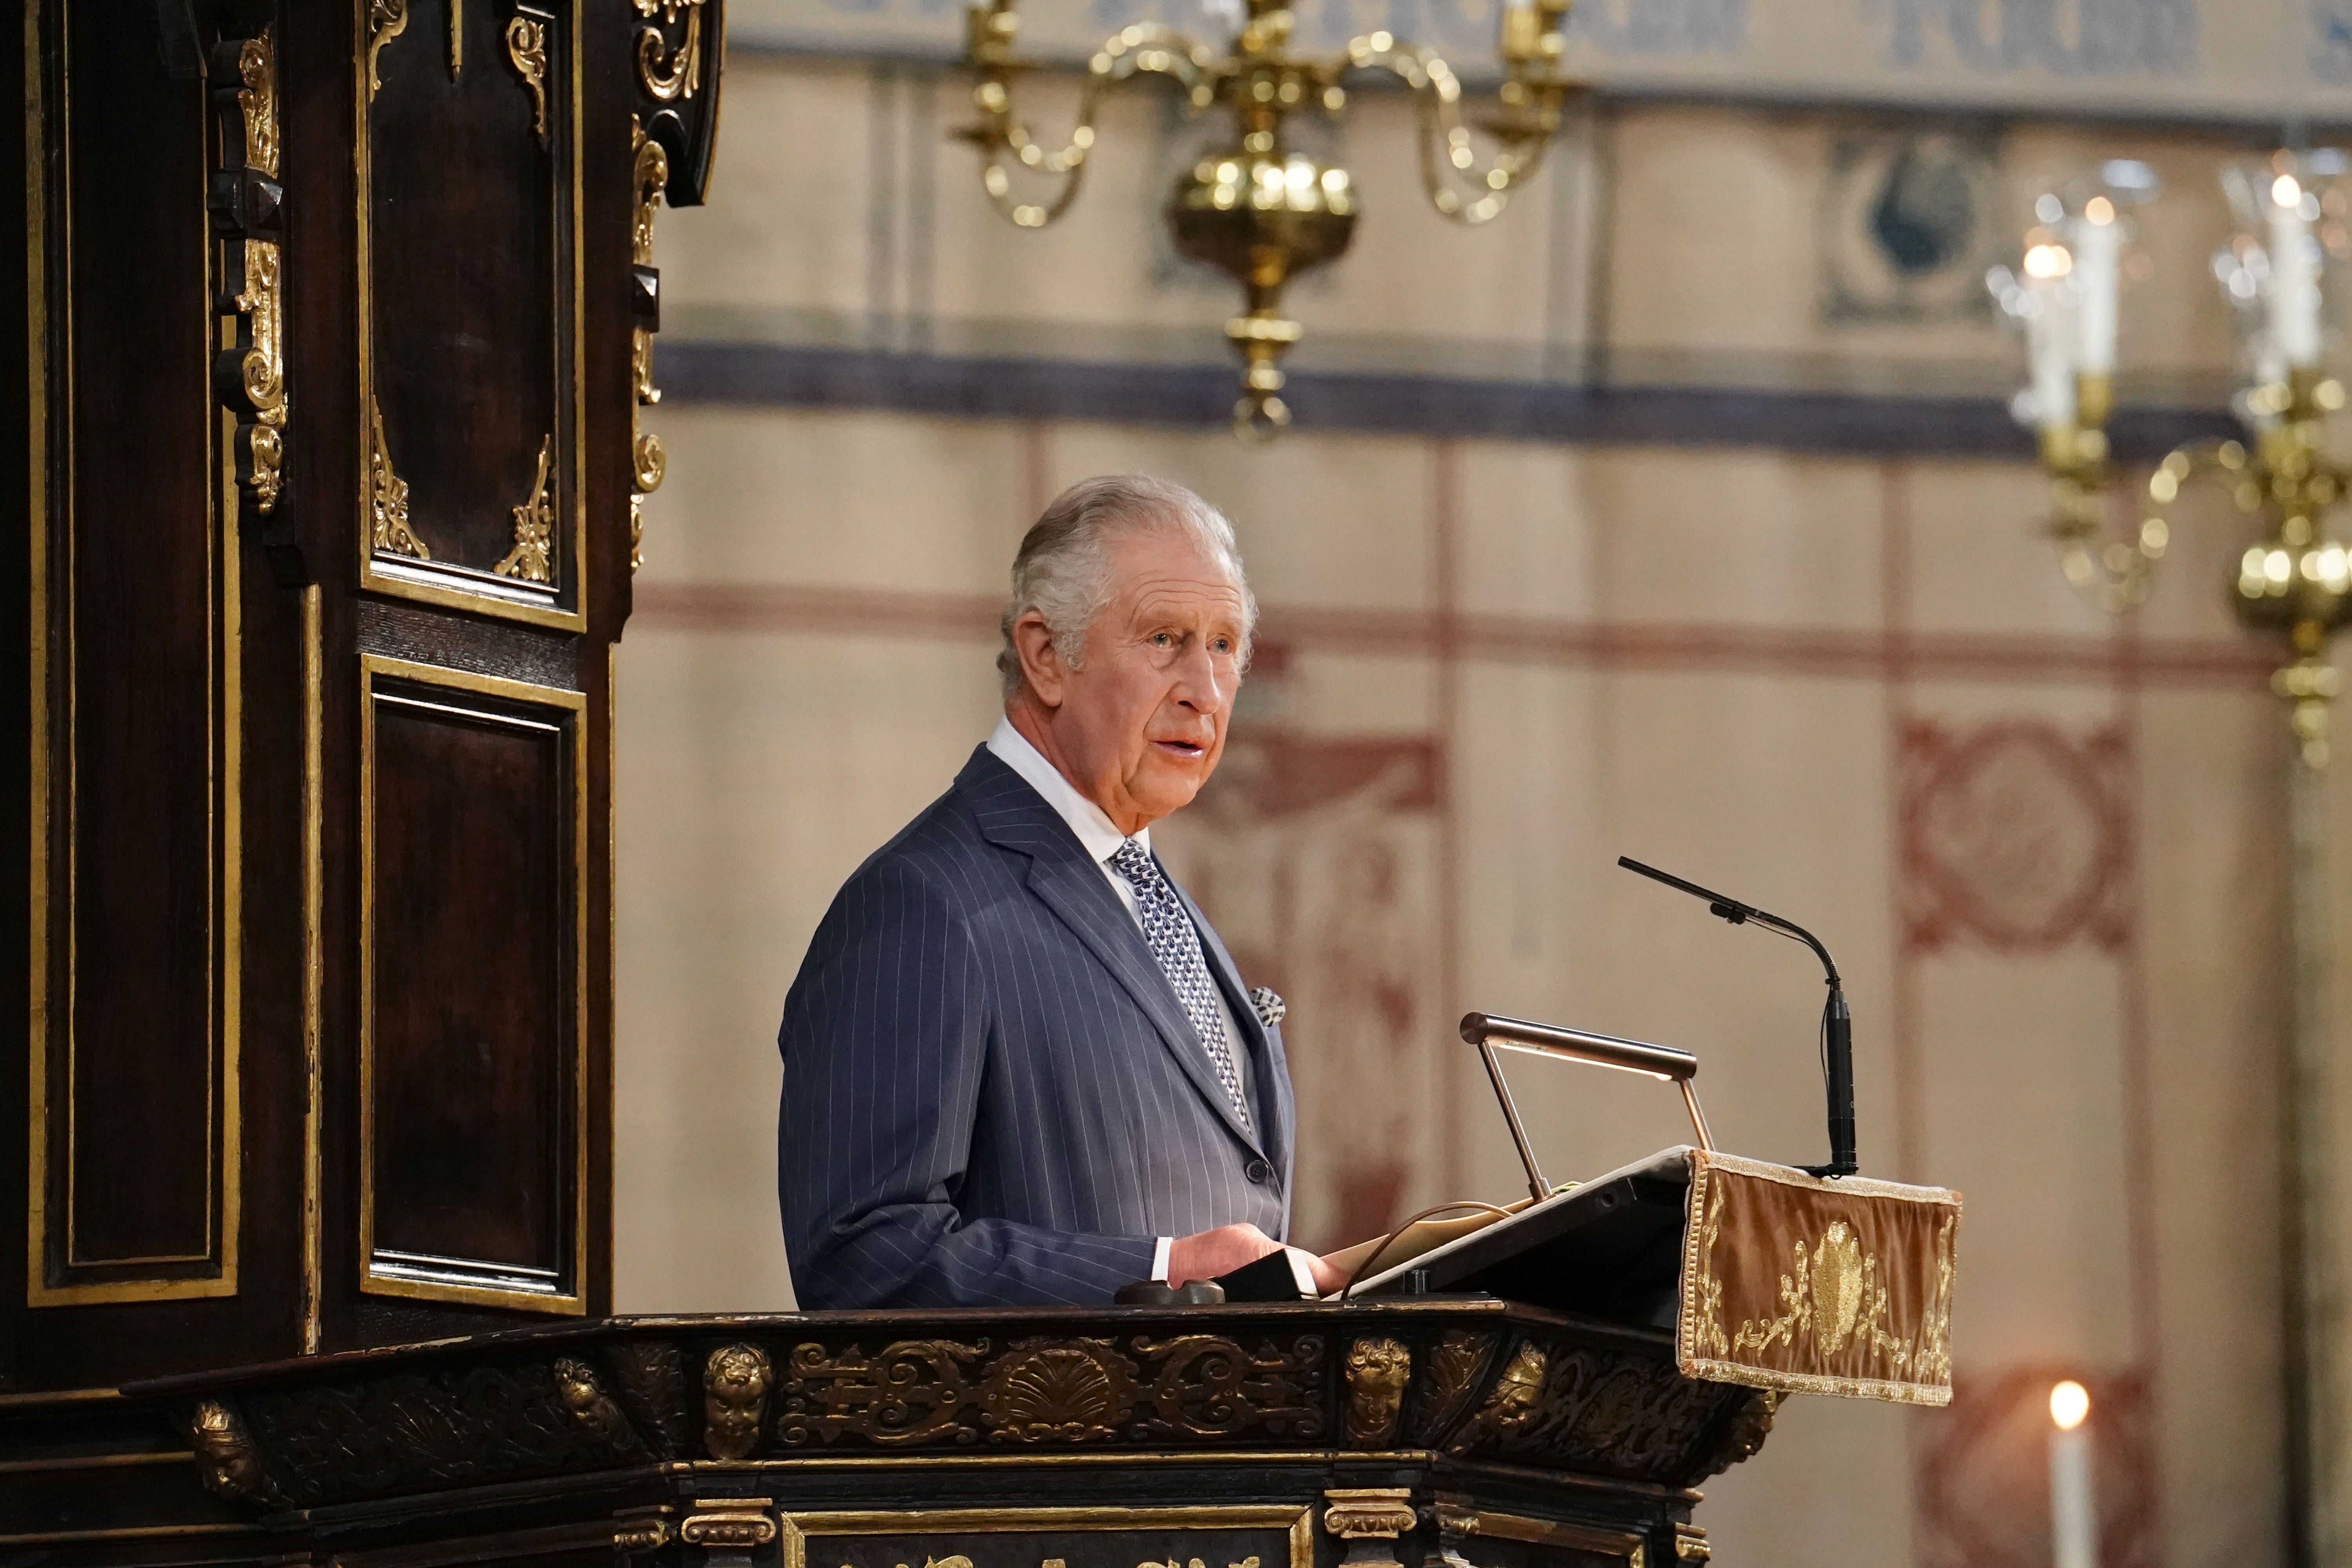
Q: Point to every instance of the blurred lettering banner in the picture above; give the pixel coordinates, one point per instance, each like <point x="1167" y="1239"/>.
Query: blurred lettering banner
<point x="2167" y="59"/>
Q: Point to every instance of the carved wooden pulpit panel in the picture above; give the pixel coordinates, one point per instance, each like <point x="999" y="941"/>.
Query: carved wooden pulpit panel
<point x="338" y="317"/>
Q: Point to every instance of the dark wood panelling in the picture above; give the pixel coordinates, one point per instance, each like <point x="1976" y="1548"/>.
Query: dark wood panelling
<point x="138" y="753"/>
<point x="471" y="310"/>
<point x="473" y="1031"/>
<point x="489" y="925"/>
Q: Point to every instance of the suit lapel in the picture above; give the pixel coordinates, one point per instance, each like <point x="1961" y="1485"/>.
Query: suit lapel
<point x="1013" y="816"/>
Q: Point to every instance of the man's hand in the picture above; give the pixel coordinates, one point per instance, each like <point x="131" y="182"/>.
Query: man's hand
<point x="1228" y="1248"/>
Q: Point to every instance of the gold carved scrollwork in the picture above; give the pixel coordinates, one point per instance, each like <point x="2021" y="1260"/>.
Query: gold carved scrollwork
<point x="735" y="1385"/>
<point x="258" y="392"/>
<point x="527" y="51"/>
<point x="910" y="1392"/>
<point x="647" y="461"/>
<point x="1377" y="1371"/>
<point x="388" y="497"/>
<point x="386" y="20"/>
<point x="666" y="73"/>
<point x="227" y="1461"/>
<point x="534" y="528"/>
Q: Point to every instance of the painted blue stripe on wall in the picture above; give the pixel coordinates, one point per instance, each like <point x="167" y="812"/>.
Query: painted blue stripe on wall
<point x="1445" y="407"/>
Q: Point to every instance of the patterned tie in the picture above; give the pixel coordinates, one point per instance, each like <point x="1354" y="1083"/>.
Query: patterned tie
<point x="1177" y="946"/>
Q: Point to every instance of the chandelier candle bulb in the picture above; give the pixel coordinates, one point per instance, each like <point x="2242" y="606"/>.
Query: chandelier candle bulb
<point x="2051" y="337"/>
<point x="2098" y="273"/>
<point x="2073" y="1525"/>
<point x="2294" y="277"/>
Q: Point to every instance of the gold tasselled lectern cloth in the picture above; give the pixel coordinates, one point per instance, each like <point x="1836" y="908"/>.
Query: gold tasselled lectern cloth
<point x="1808" y="1286"/>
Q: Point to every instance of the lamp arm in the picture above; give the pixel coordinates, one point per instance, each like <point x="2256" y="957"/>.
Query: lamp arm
<point x="1003" y="140"/>
<point x="1530" y="116"/>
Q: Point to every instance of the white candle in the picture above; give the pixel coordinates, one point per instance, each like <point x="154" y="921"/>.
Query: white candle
<point x="2294" y="277"/>
<point x="2053" y="337"/>
<point x="2098" y="238"/>
<point x="2073" y="1525"/>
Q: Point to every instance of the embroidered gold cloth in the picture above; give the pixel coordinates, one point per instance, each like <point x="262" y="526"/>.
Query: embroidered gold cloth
<point x="1817" y="1287"/>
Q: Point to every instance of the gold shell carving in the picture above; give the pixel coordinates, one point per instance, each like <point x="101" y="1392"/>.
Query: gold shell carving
<point x="534" y="528"/>
<point x="1377" y="1371"/>
<point x="386" y="20"/>
<point x="527" y="51"/>
<point x="1071" y="1392"/>
<point x="735" y="1385"/>
<point x="227" y="1461"/>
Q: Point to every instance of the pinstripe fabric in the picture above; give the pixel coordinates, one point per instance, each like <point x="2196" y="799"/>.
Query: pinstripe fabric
<point x="991" y="1096"/>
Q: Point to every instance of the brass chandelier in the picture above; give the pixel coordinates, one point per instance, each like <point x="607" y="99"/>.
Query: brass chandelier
<point x="1257" y="209"/>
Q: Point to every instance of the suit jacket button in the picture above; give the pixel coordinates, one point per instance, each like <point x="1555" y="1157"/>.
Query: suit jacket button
<point x="1259" y="1172"/>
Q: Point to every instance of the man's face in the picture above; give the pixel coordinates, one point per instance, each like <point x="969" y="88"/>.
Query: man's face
<point x="1141" y="723"/>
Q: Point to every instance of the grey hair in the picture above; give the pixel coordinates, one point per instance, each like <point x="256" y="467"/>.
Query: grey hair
<point x="1063" y="568"/>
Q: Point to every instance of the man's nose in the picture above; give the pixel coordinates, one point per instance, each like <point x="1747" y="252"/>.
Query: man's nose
<point x="1197" y="685"/>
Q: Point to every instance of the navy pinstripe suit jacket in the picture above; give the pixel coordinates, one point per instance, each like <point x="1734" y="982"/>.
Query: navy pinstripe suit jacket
<point x="992" y="1095"/>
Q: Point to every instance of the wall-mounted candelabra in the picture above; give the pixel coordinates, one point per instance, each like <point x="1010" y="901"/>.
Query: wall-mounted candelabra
<point x="1256" y="208"/>
<point x="2293" y="581"/>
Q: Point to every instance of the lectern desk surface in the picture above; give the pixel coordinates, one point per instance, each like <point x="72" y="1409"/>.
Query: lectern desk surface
<point x="1608" y="1249"/>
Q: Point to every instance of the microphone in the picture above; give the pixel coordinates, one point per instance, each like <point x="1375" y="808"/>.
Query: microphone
<point x="1837" y="1021"/>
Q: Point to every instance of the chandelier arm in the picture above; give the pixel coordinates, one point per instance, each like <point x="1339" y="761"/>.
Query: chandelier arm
<point x="2118" y="572"/>
<point x="1146" y="47"/>
<point x="1446" y="152"/>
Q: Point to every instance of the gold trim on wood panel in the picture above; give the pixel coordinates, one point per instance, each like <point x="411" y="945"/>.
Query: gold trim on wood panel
<point x="52" y="732"/>
<point x="527" y="51"/>
<point x="1297" y="1522"/>
<point x="443" y="1278"/>
<point x="261" y="368"/>
<point x="388" y="495"/>
<point x="1549" y="1532"/>
<point x="314" y="971"/>
<point x="457" y="39"/>
<point x="386" y="20"/>
<point x="646" y="459"/>
<point x="680" y="76"/>
<point x="394" y="560"/>
<point x="534" y="527"/>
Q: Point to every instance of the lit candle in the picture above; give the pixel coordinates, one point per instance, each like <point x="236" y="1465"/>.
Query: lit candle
<point x="2073" y="1528"/>
<point x="2294" y="277"/>
<point x="2052" y="338"/>
<point x="2098" y="270"/>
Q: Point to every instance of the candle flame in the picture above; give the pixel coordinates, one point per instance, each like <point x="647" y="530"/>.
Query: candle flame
<point x="2048" y="261"/>
<point x="2070" y="1403"/>
<point x="2098" y="209"/>
<point x="2285" y="192"/>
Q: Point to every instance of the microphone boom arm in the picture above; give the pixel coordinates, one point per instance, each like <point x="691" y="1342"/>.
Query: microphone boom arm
<point x="1837" y="1019"/>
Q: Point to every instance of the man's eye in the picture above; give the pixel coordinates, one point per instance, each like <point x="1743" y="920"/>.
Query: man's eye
<point x="1160" y="640"/>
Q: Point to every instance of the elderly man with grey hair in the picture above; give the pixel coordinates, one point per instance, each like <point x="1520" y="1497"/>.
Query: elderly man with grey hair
<point x="1019" y="1069"/>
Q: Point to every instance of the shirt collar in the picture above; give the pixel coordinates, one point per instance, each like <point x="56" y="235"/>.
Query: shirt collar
<point x="1086" y="819"/>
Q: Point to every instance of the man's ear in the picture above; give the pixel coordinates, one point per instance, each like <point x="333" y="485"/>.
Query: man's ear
<point x="1041" y="662"/>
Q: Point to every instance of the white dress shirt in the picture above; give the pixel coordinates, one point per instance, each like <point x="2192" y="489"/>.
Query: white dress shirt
<point x="1101" y="841"/>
